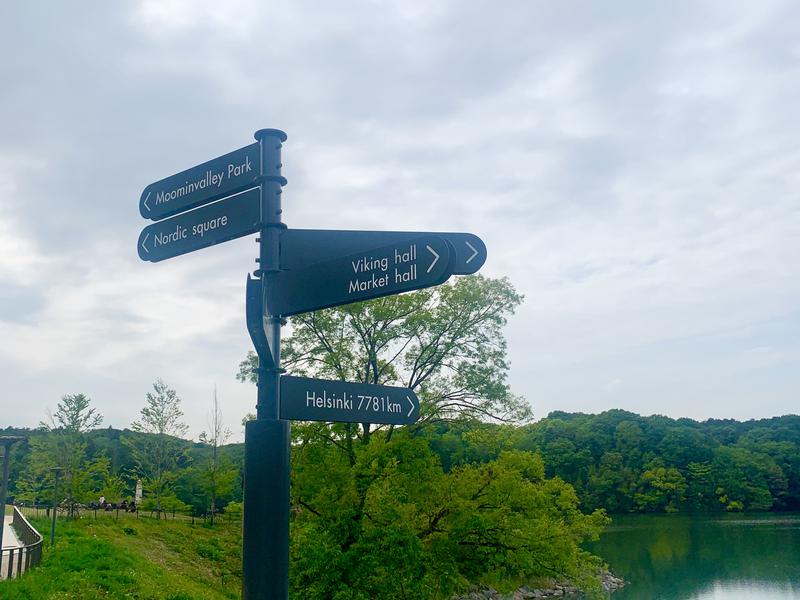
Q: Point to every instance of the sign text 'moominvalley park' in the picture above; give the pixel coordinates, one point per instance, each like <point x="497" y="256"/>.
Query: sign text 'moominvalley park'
<point x="227" y="219"/>
<point x="199" y="185"/>
<point x="400" y="267"/>
<point x="305" y="399"/>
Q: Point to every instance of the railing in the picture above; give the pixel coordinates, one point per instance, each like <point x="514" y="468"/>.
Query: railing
<point x="15" y="561"/>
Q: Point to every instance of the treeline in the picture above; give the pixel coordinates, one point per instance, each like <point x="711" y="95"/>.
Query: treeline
<point x="91" y="463"/>
<point x="624" y="462"/>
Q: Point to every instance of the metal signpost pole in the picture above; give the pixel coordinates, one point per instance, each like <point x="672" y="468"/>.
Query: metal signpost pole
<point x="265" y="528"/>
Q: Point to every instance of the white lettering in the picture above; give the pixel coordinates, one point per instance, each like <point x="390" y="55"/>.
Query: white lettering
<point x="362" y="265"/>
<point x="202" y="228"/>
<point x="363" y="285"/>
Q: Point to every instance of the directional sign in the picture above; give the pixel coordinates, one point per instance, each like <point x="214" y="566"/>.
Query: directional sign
<point x="400" y="267"/>
<point x="304" y="399"/>
<point x="199" y="185"/>
<point x="301" y="248"/>
<point x="221" y="221"/>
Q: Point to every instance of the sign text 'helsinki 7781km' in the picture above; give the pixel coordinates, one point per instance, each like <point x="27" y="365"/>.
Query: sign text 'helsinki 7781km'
<point x="301" y="270"/>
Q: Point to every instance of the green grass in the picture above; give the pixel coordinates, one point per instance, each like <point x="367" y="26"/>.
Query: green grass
<point x="140" y="559"/>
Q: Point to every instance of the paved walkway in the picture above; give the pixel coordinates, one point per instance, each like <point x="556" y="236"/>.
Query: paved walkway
<point x="10" y="539"/>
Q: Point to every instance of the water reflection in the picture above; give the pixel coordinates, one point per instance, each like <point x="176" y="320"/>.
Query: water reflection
<point x="669" y="557"/>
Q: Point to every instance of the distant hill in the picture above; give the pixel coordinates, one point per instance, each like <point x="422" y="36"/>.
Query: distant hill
<point x="624" y="462"/>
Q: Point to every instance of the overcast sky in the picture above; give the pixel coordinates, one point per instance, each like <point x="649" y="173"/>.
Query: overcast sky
<point x="634" y="169"/>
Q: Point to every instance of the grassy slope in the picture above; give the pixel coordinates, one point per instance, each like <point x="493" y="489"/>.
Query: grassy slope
<point x="163" y="560"/>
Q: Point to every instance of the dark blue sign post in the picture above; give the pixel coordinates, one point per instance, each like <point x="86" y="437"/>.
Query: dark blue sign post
<point x="301" y="270"/>
<point x="265" y="526"/>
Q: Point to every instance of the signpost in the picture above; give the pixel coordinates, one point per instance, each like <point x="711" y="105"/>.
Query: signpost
<point x="305" y="399"/>
<point x="300" y="270"/>
<point x="199" y="185"/>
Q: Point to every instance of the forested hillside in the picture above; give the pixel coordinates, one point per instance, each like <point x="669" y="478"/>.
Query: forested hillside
<point x="616" y="460"/>
<point x="623" y="462"/>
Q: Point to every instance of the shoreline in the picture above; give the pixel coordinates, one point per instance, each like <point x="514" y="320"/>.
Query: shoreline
<point x="609" y="581"/>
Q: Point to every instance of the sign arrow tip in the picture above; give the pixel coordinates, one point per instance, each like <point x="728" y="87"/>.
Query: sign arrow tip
<point x="143" y="241"/>
<point x="411" y="402"/>
<point x="147" y="206"/>
<point x="474" y="251"/>
<point x="435" y="260"/>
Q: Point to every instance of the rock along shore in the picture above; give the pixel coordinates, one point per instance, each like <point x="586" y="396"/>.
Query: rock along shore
<point x="609" y="581"/>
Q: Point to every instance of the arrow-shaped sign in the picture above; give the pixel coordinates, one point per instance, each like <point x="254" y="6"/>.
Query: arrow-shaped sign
<point x="202" y="184"/>
<point x="403" y="266"/>
<point x="305" y="399"/>
<point x="301" y="248"/>
<point x="221" y="221"/>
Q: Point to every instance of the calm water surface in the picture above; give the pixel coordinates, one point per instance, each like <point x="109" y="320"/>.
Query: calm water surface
<point x="725" y="557"/>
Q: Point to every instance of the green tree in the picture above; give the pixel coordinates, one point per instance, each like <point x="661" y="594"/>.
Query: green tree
<point x="395" y="525"/>
<point x="700" y="491"/>
<point x="750" y="480"/>
<point x="73" y="415"/>
<point x="216" y="473"/>
<point x="661" y="489"/>
<point x="611" y="485"/>
<point x="446" y="343"/>
<point x="159" y="453"/>
<point x="63" y="445"/>
<point x="376" y="514"/>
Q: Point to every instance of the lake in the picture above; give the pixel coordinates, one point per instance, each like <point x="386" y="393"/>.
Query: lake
<point x="711" y="557"/>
